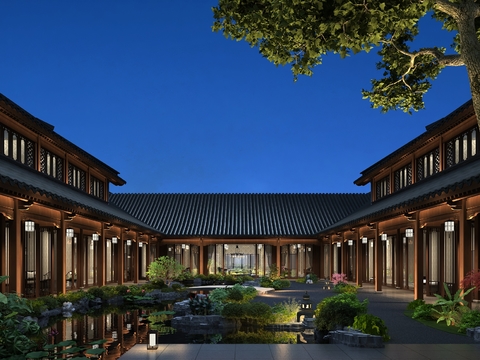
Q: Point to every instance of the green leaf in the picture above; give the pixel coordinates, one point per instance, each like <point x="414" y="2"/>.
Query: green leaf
<point x="98" y="342"/>
<point x="66" y="343"/>
<point x="37" y="355"/>
<point x="96" y="351"/>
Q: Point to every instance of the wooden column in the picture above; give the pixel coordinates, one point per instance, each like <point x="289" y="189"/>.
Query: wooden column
<point x="418" y="259"/>
<point x="101" y="259"/>
<point x="378" y="260"/>
<point x="135" y="260"/>
<point x="61" y="259"/>
<point x="201" y="258"/>
<point x="398" y="260"/>
<point x="464" y="247"/>
<point x="121" y="259"/>
<point x="279" y="258"/>
<point x="359" y="260"/>
<point x="3" y="254"/>
<point x="17" y="269"/>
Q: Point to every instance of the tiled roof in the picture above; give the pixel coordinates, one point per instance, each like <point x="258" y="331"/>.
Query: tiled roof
<point x="45" y="129"/>
<point x="435" y="129"/>
<point x="458" y="181"/>
<point x="14" y="176"/>
<point x="239" y="215"/>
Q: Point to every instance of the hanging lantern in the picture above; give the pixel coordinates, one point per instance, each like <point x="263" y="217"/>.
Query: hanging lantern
<point x="449" y="226"/>
<point x="339" y="244"/>
<point x="384" y="237"/>
<point x="95" y="237"/>
<point x="409" y="232"/>
<point x="364" y="240"/>
<point x="114" y="240"/>
<point x="29" y="226"/>
<point x="70" y="232"/>
<point x="350" y="242"/>
<point x="140" y="244"/>
<point x="129" y="242"/>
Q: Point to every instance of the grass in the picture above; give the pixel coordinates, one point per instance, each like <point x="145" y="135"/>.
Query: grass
<point x="442" y="326"/>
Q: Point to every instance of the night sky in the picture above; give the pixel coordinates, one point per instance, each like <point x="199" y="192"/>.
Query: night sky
<point x="149" y="89"/>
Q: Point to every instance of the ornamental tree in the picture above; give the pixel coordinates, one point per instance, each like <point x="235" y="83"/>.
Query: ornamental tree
<point x="299" y="32"/>
<point x="164" y="268"/>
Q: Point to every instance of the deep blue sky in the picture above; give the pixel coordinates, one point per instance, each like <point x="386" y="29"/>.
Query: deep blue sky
<point x="149" y="89"/>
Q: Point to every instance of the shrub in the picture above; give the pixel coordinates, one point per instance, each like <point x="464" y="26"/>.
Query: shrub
<point x="266" y="282"/>
<point x="412" y="305"/>
<point x="165" y="268"/>
<point x="286" y="311"/>
<point x="200" y="305"/>
<point x="281" y="284"/>
<point x="177" y="287"/>
<point x="470" y="319"/>
<point x="258" y="312"/>
<point x="343" y="288"/>
<point x="450" y="305"/>
<point x="97" y="292"/>
<point x="338" y="311"/>
<point x="371" y="324"/>
<point x="233" y="310"/>
<point x="336" y="278"/>
<point x="423" y="312"/>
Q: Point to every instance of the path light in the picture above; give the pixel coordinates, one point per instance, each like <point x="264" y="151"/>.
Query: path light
<point x="152" y="340"/>
<point x="29" y="226"/>
<point x="409" y="232"/>
<point x="70" y="232"/>
<point x="449" y="226"/>
<point x="305" y="307"/>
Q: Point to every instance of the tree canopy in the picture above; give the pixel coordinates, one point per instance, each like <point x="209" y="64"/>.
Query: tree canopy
<point x="299" y="32"/>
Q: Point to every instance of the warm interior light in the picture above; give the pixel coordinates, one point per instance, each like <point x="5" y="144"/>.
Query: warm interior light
<point x="409" y="232"/>
<point x="449" y="226"/>
<point x="29" y="226"/>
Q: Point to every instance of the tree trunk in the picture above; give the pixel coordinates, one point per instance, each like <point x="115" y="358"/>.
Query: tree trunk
<point x="470" y="49"/>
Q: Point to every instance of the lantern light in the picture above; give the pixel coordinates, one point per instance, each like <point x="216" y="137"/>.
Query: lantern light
<point x="449" y="226"/>
<point x="129" y="242"/>
<point x="384" y="237"/>
<point x="364" y="240"/>
<point x="29" y="226"/>
<point x="152" y="340"/>
<point x="70" y="232"/>
<point x="409" y="232"/>
<point x="339" y="244"/>
<point x="140" y="244"/>
<point x="350" y="242"/>
<point x="114" y="240"/>
<point x="95" y="237"/>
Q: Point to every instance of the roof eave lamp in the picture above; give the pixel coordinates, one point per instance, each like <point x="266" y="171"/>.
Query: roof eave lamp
<point x="384" y="237"/>
<point x="95" y="237"/>
<point x="114" y="240"/>
<point x="364" y="240"/>
<point x="140" y="244"/>
<point x="339" y="244"/>
<point x="409" y="232"/>
<point x="29" y="226"/>
<point x="152" y="340"/>
<point x="449" y="226"/>
<point x="129" y="242"/>
<point x="350" y="242"/>
<point x="70" y="232"/>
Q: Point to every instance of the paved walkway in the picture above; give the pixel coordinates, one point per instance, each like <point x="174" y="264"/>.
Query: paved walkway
<point x="409" y="338"/>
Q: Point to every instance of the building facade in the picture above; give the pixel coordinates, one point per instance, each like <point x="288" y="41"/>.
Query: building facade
<point x="62" y="228"/>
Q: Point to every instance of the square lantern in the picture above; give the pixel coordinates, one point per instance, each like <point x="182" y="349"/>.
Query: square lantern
<point x="70" y="232"/>
<point x="29" y="226"/>
<point x="409" y="232"/>
<point x="364" y="240"/>
<point x="339" y="244"/>
<point x="152" y="340"/>
<point x="95" y="237"/>
<point x="384" y="237"/>
<point x="140" y="244"/>
<point x="114" y="240"/>
<point x="350" y="242"/>
<point x="129" y="242"/>
<point x="449" y="226"/>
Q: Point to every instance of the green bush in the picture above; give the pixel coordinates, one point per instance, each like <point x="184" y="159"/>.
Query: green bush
<point x="233" y="311"/>
<point x="97" y="292"/>
<point x="343" y="288"/>
<point x="266" y="282"/>
<point x="177" y="287"/>
<point x="470" y="319"/>
<point x="338" y="311"/>
<point x="281" y="284"/>
<point x="412" y="305"/>
<point x="423" y="312"/>
<point x="257" y="312"/>
<point x="121" y="290"/>
<point x="286" y="311"/>
<point x="371" y="324"/>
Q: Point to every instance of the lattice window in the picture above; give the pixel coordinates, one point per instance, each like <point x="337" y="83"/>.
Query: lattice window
<point x="383" y="187"/>
<point x="97" y="187"/>
<point x="461" y="147"/>
<point x="403" y="177"/>
<point x="51" y="164"/>
<point x="428" y="164"/>
<point x="76" y="177"/>
<point x="17" y="147"/>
